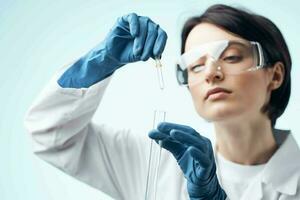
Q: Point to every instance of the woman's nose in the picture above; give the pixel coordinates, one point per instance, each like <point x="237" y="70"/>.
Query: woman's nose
<point x="213" y="71"/>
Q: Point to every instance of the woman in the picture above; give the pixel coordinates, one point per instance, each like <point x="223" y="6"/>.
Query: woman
<point x="237" y="68"/>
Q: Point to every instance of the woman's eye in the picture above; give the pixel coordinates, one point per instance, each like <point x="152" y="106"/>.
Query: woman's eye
<point x="232" y="59"/>
<point x="197" y="68"/>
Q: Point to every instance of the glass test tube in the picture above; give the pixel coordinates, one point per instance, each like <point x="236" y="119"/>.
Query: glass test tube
<point x="155" y="149"/>
<point x="158" y="66"/>
<point x="154" y="160"/>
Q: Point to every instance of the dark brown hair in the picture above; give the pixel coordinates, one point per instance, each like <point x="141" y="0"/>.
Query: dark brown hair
<point x="257" y="28"/>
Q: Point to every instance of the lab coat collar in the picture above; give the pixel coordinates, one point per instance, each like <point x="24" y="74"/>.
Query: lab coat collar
<point x="282" y="171"/>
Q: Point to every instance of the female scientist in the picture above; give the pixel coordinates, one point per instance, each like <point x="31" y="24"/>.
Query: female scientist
<point x="236" y="66"/>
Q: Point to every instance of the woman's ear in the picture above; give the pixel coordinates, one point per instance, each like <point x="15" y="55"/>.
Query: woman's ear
<point x="276" y="75"/>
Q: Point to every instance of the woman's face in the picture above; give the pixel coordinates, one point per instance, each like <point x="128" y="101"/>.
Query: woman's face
<point x="249" y="90"/>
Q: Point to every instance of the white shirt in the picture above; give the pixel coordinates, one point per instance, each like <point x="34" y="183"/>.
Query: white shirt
<point x="236" y="178"/>
<point x="115" y="161"/>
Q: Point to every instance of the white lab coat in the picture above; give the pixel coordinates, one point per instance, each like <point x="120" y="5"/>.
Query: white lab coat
<point x="115" y="161"/>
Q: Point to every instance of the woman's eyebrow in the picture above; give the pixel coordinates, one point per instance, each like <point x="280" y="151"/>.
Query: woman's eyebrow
<point x="239" y="44"/>
<point x="238" y="47"/>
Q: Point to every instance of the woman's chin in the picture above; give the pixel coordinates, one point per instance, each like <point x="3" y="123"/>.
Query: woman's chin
<point x="220" y="113"/>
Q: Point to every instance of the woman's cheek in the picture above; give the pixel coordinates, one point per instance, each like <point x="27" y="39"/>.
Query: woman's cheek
<point x="197" y="98"/>
<point x="251" y="92"/>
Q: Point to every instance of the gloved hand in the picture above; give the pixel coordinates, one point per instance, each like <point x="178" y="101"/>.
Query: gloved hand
<point x="133" y="38"/>
<point x="195" y="157"/>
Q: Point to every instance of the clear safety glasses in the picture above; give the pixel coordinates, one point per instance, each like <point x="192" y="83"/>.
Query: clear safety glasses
<point x="231" y="57"/>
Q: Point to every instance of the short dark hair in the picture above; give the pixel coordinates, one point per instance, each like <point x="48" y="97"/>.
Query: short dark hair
<point x="252" y="27"/>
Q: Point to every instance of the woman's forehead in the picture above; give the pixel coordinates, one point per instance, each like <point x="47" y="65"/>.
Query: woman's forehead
<point x="206" y="32"/>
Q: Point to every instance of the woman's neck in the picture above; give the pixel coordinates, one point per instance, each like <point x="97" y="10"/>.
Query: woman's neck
<point x="248" y="143"/>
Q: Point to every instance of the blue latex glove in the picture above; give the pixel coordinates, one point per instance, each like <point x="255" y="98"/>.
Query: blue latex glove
<point x="133" y="38"/>
<point x="195" y="157"/>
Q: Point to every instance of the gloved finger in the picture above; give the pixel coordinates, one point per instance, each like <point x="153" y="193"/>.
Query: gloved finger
<point x="150" y="40"/>
<point x="190" y="140"/>
<point x="202" y="165"/>
<point x="191" y="167"/>
<point x="167" y="142"/>
<point x="157" y="135"/>
<point x="139" y="41"/>
<point x="174" y="147"/>
<point x="200" y="156"/>
<point x="133" y="23"/>
<point x="166" y="127"/>
<point x="160" y="43"/>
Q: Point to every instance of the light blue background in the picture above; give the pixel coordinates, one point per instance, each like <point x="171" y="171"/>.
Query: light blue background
<point x="38" y="37"/>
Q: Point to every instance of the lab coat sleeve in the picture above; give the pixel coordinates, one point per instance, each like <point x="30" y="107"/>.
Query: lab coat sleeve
<point x="63" y="134"/>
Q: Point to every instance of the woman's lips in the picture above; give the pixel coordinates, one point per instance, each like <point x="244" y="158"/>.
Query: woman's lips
<point x="215" y="92"/>
<point x="218" y="95"/>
